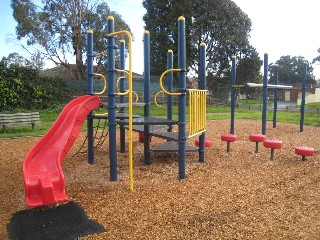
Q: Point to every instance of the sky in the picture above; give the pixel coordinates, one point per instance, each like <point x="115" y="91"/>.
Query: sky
<point x="279" y="27"/>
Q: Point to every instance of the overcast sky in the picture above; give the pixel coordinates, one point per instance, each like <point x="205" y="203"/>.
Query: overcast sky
<point x="279" y="27"/>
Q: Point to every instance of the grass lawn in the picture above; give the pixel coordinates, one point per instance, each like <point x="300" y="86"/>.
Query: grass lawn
<point x="213" y="113"/>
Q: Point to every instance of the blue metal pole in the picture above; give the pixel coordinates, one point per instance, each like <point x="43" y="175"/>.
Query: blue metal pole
<point x="182" y="136"/>
<point x="233" y="93"/>
<point x="170" y="87"/>
<point x="90" y="91"/>
<point x="265" y="94"/>
<point x="303" y="96"/>
<point x="202" y="86"/>
<point x="111" y="100"/>
<point x="122" y="98"/>
<point x="146" y="46"/>
<point x="275" y="95"/>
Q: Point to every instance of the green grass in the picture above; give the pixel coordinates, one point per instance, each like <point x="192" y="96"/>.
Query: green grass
<point x="313" y="105"/>
<point x="253" y="102"/>
<point x="213" y="113"/>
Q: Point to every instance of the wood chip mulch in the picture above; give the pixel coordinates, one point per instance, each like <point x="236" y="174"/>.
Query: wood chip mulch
<point x="240" y="195"/>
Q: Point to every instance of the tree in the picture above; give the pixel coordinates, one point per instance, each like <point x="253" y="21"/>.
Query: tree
<point x="219" y="23"/>
<point x="317" y="59"/>
<point x="58" y="27"/>
<point x="161" y="20"/>
<point x="291" y="70"/>
<point x="36" y="61"/>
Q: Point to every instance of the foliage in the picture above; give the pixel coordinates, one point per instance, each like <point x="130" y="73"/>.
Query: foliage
<point x="23" y="87"/>
<point x="161" y="20"/>
<point x="317" y="59"/>
<point x="291" y="70"/>
<point x="58" y="28"/>
<point x="220" y="24"/>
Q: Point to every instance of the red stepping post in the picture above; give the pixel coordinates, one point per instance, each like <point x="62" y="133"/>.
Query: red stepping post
<point x="207" y="143"/>
<point x="229" y="137"/>
<point x="273" y="144"/>
<point x="304" y="152"/>
<point x="257" y="138"/>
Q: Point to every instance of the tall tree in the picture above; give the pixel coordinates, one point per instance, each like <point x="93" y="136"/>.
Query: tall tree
<point x="219" y="23"/>
<point x="58" y="27"/>
<point x="224" y="28"/>
<point x="317" y="59"/>
<point x="291" y="70"/>
<point x="161" y="20"/>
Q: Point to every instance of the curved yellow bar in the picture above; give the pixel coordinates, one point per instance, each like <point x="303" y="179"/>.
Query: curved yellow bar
<point x="162" y="76"/>
<point x="155" y="99"/>
<point x="105" y="83"/>
<point x="100" y="53"/>
<point x="101" y="114"/>
<point x="118" y="80"/>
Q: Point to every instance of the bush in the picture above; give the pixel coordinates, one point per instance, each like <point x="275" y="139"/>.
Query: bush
<point x="23" y="87"/>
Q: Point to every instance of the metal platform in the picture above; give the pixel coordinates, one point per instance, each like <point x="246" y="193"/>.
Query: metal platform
<point x="148" y="121"/>
<point x="120" y="116"/>
<point x="123" y="105"/>
<point x="173" y="136"/>
<point x="152" y="128"/>
<point x="172" y="147"/>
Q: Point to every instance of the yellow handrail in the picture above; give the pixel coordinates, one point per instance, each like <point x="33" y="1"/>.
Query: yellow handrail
<point x="105" y="83"/>
<point x="127" y="91"/>
<point x="197" y="111"/>
<point x="162" y="76"/>
<point x="100" y="53"/>
<point x="155" y="99"/>
<point x="130" y="105"/>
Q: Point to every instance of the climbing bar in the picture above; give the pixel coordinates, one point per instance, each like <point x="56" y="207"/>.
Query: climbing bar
<point x="238" y="86"/>
<point x="161" y="79"/>
<point x="105" y="83"/>
<point x="197" y="111"/>
<point x="260" y="85"/>
<point x="100" y="53"/>
<point x="127" y="91"/>
<point x="155" y="99"/>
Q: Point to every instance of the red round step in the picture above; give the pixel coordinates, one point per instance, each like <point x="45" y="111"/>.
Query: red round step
<point x="257" y="137"/>
<point x="304" y="151"/>
<point x="207" y="143"/>
<point x="274" y="144"/>
<point x="228" y="137"/>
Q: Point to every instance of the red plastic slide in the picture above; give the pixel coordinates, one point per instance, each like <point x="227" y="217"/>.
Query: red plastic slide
<point x="43" y="176"/>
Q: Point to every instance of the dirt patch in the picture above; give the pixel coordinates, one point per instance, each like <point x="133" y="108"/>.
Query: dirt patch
<point x="241" y="195"/>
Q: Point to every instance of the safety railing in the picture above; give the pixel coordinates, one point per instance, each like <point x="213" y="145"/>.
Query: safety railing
<point x="197" y="111"/>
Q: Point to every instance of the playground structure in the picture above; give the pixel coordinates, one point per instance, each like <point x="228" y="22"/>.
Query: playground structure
<point x="43" y="176"/>
<point x="261" y="137"/>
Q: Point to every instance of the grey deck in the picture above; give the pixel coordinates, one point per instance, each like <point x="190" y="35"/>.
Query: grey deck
<point x="172" y="147"/>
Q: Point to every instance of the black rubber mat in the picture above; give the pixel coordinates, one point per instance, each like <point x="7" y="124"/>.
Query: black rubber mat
<point x="64" y="222"/>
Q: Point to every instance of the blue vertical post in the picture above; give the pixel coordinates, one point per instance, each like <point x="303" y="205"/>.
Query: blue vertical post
<point x="122" y="98"/>
<point x="146" y="141"/>
<point x="275" y="95"/>
<point x="182" y="136"/>
<point x="233" y="93"/>
<point x="170" y="87"/>
<point x="111" y="100"/>
<point x="90" y="92"/>
<point x="202" y="86"/>
<point x="265" y="94"/>
<point x="303" y="95"/>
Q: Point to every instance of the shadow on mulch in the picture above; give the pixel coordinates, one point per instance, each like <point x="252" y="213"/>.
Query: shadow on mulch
<point x="65" y="222"/>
